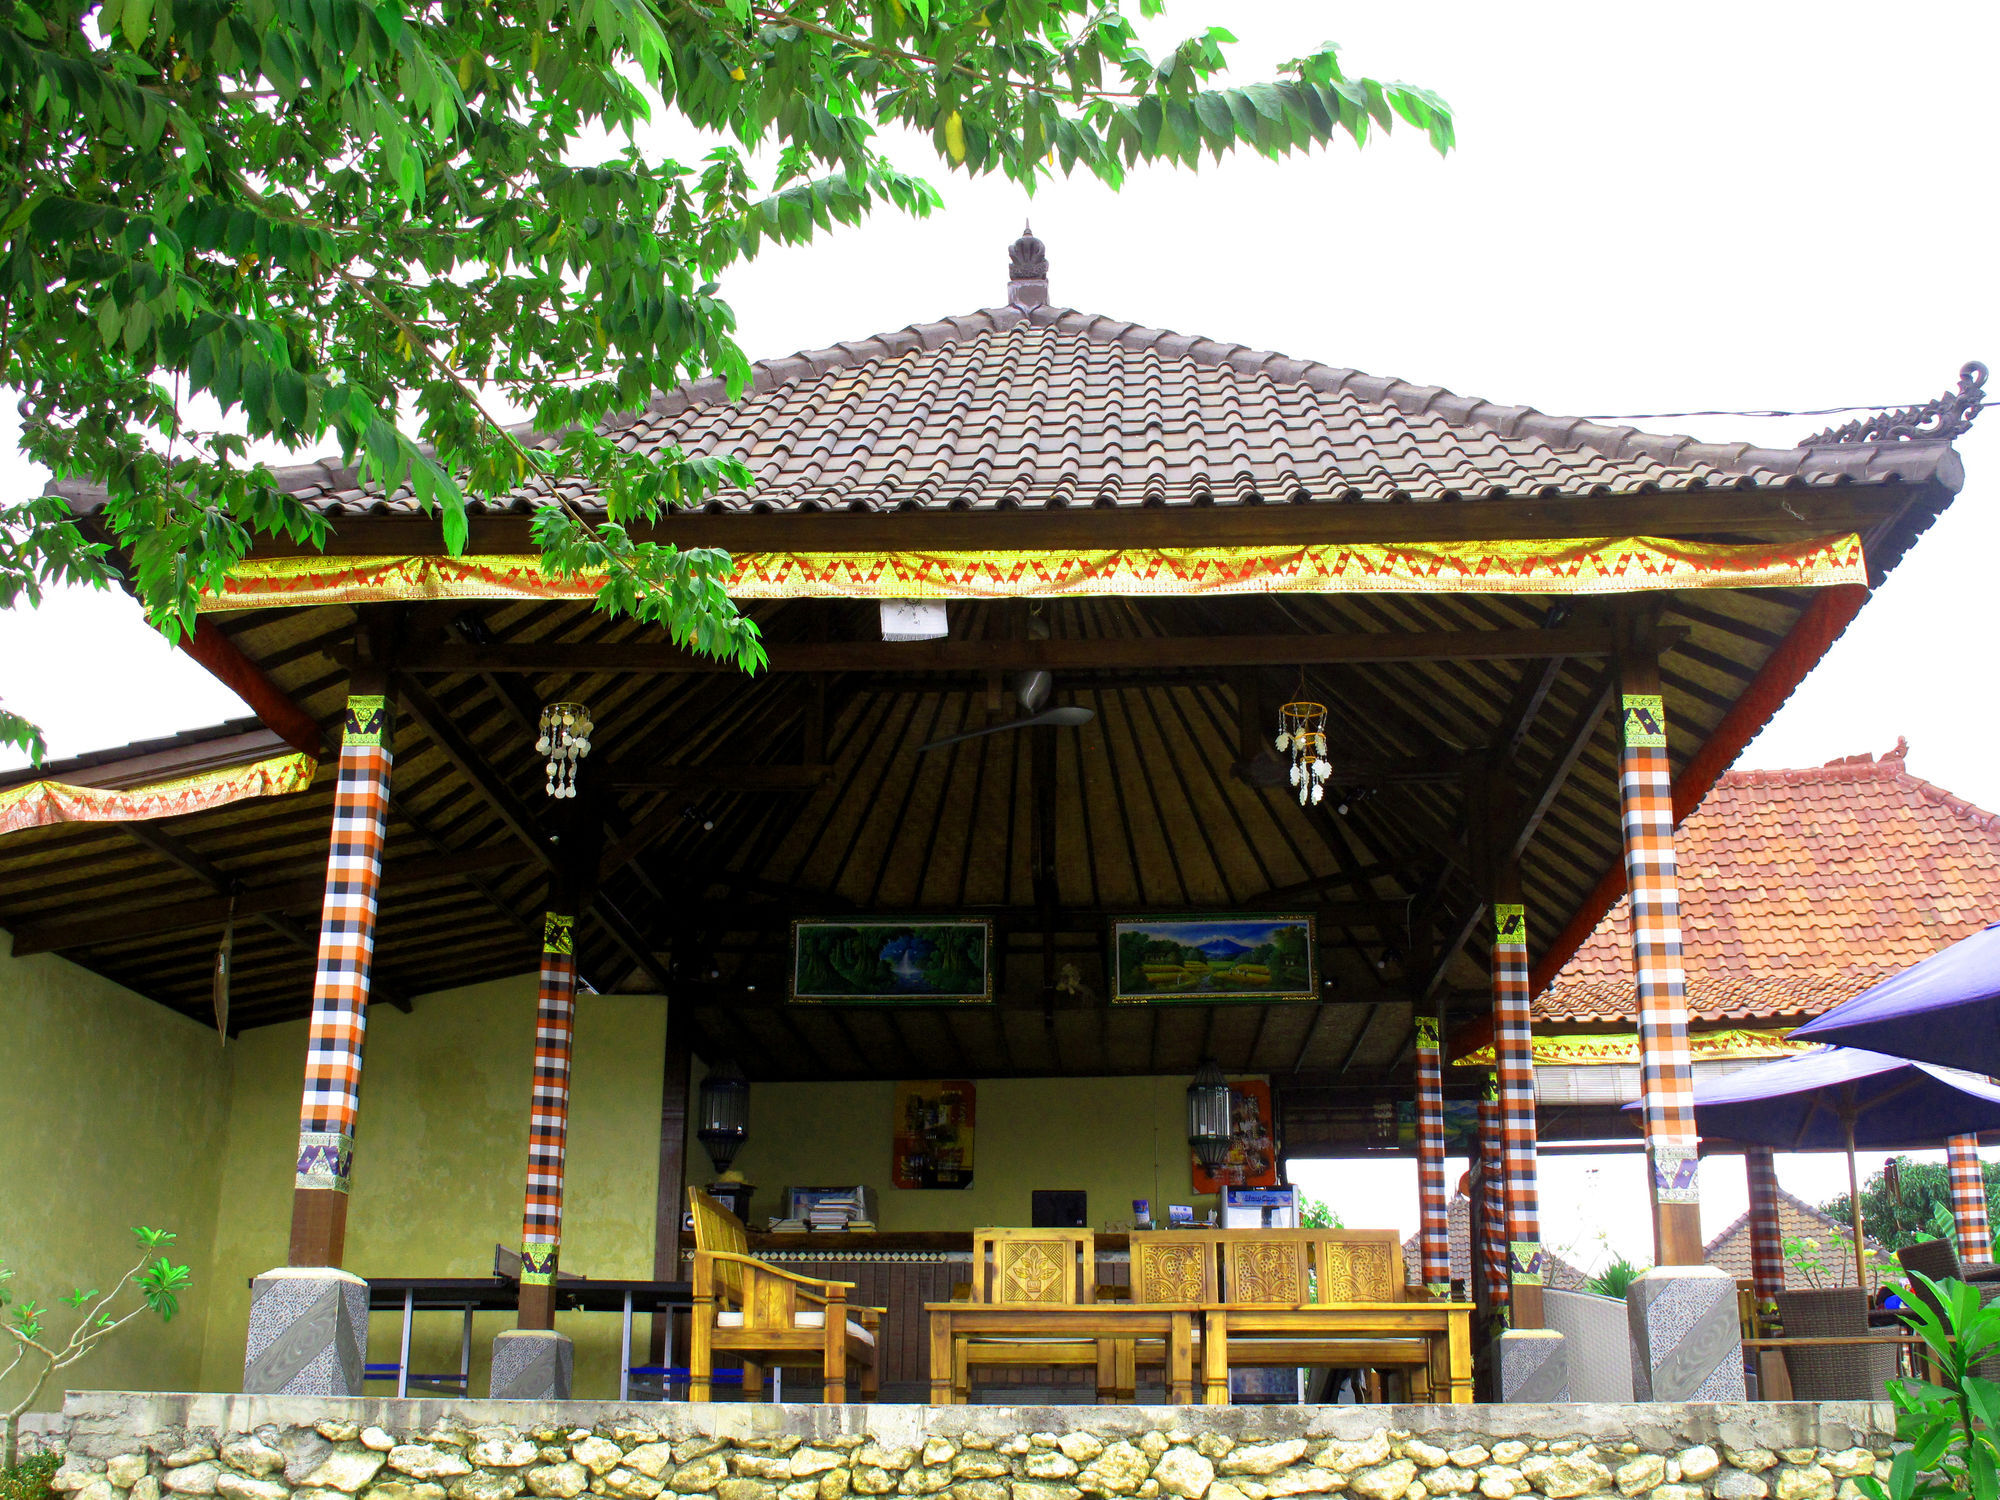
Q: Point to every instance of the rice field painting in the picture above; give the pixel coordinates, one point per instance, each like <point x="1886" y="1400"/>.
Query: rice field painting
<point x="1211" y="960"/>
<point x="892" y="961"/>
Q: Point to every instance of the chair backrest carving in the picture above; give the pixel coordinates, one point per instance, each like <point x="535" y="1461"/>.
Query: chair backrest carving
<point x="1028" y="1266"/>
<point x="1358" y="1265"/>
<point x="1174" y="1266"/>
<point x="1265" y="1266"/>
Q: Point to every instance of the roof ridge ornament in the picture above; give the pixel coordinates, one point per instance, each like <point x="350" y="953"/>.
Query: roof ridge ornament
<point x="1947" y="417"/>
<point x="1028" y="270"/>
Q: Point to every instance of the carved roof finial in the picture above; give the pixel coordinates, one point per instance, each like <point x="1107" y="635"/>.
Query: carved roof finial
<point x="1028" y="270"/>
<point x="1947" y="417"/>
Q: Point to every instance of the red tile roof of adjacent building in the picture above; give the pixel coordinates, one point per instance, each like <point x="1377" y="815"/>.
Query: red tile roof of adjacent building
<point x="1800" y="889"/>
<point x="1730" y="1250"/>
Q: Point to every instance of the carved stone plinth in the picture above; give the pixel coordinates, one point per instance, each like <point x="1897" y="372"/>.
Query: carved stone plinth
<point x="308" y="1333"/>
<point x="532" y="1364"/>
<point x="1530" y="1365"/>
<point x="1686" y="1341"/>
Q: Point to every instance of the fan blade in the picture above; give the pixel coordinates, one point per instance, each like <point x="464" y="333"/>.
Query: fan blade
<point x="1068" y="718"/>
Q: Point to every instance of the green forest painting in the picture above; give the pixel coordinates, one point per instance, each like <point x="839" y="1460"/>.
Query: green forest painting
<point x="892" y="962"/>
<point x="1158" y="960"/>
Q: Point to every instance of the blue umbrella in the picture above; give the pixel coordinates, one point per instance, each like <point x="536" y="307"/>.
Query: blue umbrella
<point x="1943" y="1010"/>
<point x="1840" y="1097"/>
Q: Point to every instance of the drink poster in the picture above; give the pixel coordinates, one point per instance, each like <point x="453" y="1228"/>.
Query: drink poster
<point x="1253" y="1153"/>
<point x="933" y="1133"/>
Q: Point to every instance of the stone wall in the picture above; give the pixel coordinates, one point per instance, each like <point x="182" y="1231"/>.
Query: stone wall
<point x="152" y="1447"/>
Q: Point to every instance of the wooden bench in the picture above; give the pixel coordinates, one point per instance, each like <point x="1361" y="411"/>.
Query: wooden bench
<point x="768" y="1316"/>
<point x="1037" y="1268"/>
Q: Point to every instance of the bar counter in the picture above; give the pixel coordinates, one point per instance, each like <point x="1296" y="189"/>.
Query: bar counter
<point x="937" y="1241"/>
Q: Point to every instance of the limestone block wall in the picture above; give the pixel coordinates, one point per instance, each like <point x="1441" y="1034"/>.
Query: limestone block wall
<point x="154" y="1447"/>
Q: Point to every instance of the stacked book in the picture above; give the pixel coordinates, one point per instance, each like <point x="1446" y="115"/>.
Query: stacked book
<point x="832" y="1213"/>
<point x="788" y="1226"/>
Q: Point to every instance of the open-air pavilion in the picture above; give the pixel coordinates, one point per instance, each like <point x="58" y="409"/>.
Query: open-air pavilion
<point x="1536" y="642"/>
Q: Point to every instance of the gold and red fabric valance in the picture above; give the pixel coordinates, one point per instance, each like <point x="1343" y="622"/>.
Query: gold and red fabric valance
<point x="1585" y="565"/>
<point x="37" y="804"/>
<point x="1613" y="1048"/>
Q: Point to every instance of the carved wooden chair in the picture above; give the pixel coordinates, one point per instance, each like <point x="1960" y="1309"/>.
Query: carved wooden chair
<point x="1173" y="1266"/>
<point x="1039" y="1267"/>
<point x="1277" y="1286"/>
<point x="767" y="1316"/>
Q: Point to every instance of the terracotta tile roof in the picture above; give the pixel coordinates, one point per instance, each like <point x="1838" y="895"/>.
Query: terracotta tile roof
<point x="1800" y="889"/>
<point x="1730" y="1250"/>
<point x="1045" y="407"/>
<point x="1557" y="1272"/>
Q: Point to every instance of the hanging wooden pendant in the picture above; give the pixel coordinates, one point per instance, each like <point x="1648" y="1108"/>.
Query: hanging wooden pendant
<point x="222" y="962"/>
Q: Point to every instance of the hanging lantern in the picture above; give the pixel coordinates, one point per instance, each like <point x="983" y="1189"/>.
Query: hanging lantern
<point x="1302" y="735"/>
<point x="565" y="740"/>
<point x="724" y="1108"/>
<point x="1209" y="1134"/>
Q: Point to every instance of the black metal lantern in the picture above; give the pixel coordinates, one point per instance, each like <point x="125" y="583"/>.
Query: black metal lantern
<point x="1209" y="1134"/>
<point x="725" y="1114"/>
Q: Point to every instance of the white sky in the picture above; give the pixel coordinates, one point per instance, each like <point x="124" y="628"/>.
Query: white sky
<point x="1716" y="205"/>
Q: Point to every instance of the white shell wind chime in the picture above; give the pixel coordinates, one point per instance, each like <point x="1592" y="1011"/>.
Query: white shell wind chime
<point x="565" y="740"/>
<point x="1302" y="732"/>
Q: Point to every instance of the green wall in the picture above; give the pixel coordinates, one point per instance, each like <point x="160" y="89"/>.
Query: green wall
<point x="439" y="1162"/>
<point x="113" y="1110"/>
<point x="1115" y="1138"/>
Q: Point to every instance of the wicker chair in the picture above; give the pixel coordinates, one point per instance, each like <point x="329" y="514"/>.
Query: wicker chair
<point x="1938" y="1259"/>
<point x="1834" y="1372"/>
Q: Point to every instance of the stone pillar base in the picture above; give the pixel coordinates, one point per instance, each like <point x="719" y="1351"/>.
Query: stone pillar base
<point x="308" y="1333"/>
<point x="1530" y="1364"/>
<point x="532" y="1364"/>
<point x="1686" y="1342"/>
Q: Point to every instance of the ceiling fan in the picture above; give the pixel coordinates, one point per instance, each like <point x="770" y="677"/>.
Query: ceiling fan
<point x="1031" y="690"/>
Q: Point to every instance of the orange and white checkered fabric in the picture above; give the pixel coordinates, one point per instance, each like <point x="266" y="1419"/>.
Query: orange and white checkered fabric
<point x="1968" y="1199"/>
<point x="548" y="1105"/>
<point x="1433" y="1208"/>
<point x="1666" y="1069"/>
<point x="1767" y="1244"/>
<point x="1514" y="1048"/>
<point x="346" y="947"/>
<point x="1490" y="1255"/>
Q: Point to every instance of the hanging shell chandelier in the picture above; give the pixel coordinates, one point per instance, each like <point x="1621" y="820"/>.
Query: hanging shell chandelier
<point x="565" y="740"/>
<point x="1302" y="734"/>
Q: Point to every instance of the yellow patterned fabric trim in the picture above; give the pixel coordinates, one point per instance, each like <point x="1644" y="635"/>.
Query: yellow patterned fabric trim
<point x="1623" y="1047"/>
<point x="1587" y="565"/>
<point x="37" y="804"/>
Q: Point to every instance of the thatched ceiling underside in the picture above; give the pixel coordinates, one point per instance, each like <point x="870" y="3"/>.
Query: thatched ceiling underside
<point x="1048" y="831"/>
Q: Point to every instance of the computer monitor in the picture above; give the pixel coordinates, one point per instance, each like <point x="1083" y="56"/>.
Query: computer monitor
<point x="1060" y="1208"/>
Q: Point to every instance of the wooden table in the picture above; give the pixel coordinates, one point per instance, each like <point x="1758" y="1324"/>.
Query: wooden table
<point x="1435" y="1338"/>
<point x="955" y="1324"/>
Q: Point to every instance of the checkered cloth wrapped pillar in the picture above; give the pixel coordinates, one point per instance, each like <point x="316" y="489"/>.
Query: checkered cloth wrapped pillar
<point x="1490" y="1255"/>
<point x="548" y="1109"/>
<point x="1513" y="1046"/>
<point x="1666" y="1070"/>
<point x="1968" y="1199"/>
<point x="346" y="947"/>
<point x="1767" y="1244"/>
<point x="1434" y="1210"/>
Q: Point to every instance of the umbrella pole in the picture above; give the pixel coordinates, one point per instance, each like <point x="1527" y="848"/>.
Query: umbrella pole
<point x="1854" y="1202"/>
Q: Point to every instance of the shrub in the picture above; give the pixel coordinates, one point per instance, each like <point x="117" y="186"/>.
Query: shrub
<point x="1615" y="1279"/>
<point x="29" y="1479"/>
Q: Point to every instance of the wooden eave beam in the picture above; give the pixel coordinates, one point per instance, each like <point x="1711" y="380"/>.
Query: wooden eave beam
<point x="463" y="754"/>
<point x="1789" y="511"/>
<point x="123" y="924"/>
<point x="721" y="778"/>
<point x="541" y="658"/>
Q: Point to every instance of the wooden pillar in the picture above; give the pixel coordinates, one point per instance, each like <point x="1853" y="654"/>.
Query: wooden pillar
<point x="1767" y="1247"/>
<point x="339" y="1022"/>
<point x="1968" y="1199"/>
<point x="1488" y="1250"/>
<point x="677" y="1073"/>
<point x="1513" y="1045"/>
<point x="548" y="1116"/>
<point x="1666" y="1068"/>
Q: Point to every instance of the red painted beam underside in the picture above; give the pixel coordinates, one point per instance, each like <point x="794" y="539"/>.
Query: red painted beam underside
<point x="243" y="677"/>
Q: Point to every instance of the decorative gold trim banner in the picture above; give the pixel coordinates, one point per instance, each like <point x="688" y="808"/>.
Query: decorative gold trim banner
<point x="1623" y="1047"/>
<point x="1587" y="565"/>
<point x="37" y="804"/>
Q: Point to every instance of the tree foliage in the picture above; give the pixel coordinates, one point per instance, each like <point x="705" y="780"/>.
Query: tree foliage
<point x="383" y="224"/>
<point x="1919" y="1210"/>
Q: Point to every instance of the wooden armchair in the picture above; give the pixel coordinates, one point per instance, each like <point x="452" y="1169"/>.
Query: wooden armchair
<point x="1039" y="1267"/>
<point x="768" y="1316"/>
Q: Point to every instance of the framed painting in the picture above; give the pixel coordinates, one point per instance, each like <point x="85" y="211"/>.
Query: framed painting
<point x="1213" y="960"/>
<point x="932" y="1133"/>
<point x="892" y="961"/>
